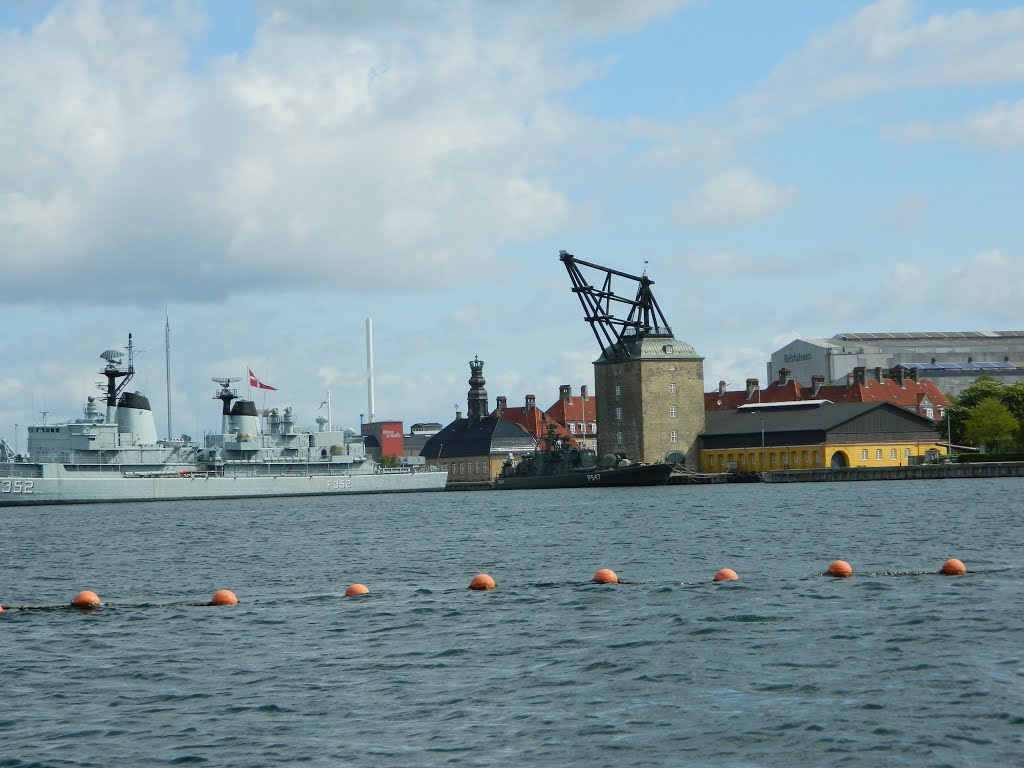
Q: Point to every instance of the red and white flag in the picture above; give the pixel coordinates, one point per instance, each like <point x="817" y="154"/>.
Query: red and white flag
<point x="254" y="382"/>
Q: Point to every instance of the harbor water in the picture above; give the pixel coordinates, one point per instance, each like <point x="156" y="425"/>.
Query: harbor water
<point x="896" y="666"/>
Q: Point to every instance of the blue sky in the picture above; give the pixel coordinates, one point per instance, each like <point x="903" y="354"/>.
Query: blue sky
<point x="273" y="173"/>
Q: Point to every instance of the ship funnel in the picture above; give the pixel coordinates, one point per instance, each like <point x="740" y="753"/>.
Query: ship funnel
<point x="135" y="416"/>
<point x="243" y="418"/>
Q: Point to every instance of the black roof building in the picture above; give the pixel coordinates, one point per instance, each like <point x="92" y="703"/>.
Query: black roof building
<point x="814" y="422"/>
<point x="478" y="435"/>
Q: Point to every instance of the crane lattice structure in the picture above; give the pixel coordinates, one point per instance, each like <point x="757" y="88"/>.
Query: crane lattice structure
<point x="644" y="317"/>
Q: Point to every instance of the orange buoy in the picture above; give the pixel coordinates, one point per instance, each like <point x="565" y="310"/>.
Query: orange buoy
<point x="840" y="568"/>
<point x="356" y="589"/>
<point x="606" y="576"/>
<point x="223" y="597"/>
<point x="482" y="581"/>
<point x="1" y="609"/>
<point x="726" y="574"/>
<point x="953" y="567"/>
<point x="85" y="599"/>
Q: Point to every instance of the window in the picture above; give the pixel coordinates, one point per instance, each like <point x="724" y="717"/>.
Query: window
<point x="673" y="412"/>
<point x="906" y="453"/>
<point x="673" y="436"/>
<point x="806" y="457"/>
<point x="892" y="453"/>
<point x="672" y="389"/>
<point x="771" y="460"/>
<point x="878" y="454"/>
<point x="572" y="428"/>
<point x="618" y="414"/>
<point x="743" y="460"/>
<point x="618" y="390"/>
<point x="671" y="367"/>
<point x="618" y="438"/>
<point x="929" y="412"/>
<point x="864" y="454"/>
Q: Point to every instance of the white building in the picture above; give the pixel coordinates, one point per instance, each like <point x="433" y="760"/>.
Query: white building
<point x="953" y="360"/>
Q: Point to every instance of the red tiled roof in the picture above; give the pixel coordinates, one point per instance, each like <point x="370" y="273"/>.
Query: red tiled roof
<point x="912" y="394"/>
<point x="533" y="421"/>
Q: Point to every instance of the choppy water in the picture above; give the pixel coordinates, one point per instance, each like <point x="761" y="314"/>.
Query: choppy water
<point x="784" y="668"/>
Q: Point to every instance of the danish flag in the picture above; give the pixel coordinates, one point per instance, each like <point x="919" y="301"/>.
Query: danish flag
<point x="254" y="382"/>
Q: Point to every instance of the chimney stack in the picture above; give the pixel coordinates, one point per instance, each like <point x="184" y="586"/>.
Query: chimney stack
<point x="879" y="377"/>
<point x="502" y="404"/>
<point x="584" y="392"/>
<point x="565" y="392"/>
<point x="859" y="374"/>
<point x="721" y="388"/>
<point x="531" y="402"/>
<point x="784" y="375"/>
<point x="751" y="388"/>
<point x="817" y="380"/>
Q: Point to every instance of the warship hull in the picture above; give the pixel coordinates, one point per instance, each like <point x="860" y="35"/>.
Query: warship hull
<point x="635" y="475"/>
<point x="96" y="487"/>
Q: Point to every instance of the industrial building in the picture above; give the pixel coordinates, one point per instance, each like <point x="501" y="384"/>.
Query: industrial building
<point x="952" y="360"/>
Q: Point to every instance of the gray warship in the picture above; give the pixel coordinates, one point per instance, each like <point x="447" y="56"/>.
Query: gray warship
<point x="113" y="454"/>
<point x="558" y="464"/>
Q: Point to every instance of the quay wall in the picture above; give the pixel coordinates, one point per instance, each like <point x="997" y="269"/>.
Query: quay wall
<point x="918" y="472"/>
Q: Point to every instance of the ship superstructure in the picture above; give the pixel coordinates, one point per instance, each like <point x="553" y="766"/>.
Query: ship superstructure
<point x="114" y="454"/>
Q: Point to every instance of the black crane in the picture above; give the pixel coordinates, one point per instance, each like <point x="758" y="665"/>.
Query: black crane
<point x="644" y="317"/>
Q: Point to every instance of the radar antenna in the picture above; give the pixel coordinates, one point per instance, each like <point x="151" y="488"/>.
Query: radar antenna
<point x="226" y="394"/>
<point x="644" y="317"/>
<point x="113" y="371"/>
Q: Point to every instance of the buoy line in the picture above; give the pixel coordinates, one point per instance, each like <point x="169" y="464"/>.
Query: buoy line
<point x="88" y="601"/>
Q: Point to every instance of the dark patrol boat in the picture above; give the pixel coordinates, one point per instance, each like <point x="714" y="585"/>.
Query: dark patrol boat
<point x="557" y="464"/>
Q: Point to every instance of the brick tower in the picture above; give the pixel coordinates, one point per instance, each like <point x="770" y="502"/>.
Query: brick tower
<point x="649" y="385"/>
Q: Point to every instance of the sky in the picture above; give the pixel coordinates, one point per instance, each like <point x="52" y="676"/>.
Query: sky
<point x="270" y="174"/>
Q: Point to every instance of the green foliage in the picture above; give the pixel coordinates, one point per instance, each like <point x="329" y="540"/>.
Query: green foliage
<point x="981" y="458"/>
<point x="991" y="424"/>
<point x="389" y="461"/>
<point x="962" y="408"/>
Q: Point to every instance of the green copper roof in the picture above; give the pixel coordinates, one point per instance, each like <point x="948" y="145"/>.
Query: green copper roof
<point x="652" y="348"/>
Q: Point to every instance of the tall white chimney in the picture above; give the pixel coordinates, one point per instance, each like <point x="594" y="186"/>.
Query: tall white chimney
<point x="369" y="369"/>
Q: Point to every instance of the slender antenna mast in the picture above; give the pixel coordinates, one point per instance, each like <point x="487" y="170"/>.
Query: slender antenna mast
<point x="167" y="350"/>
<point x="369" y="369"/>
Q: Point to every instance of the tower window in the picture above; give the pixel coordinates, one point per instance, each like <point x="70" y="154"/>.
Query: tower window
<point x="673" y="436"/>
<point x="619" y="440"/>
<point x="618" y="414"/>
<point x="673" y="411"/>
<point x="672" y="389"/>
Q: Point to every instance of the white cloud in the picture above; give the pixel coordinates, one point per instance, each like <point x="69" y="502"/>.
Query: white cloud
<point x="999" y="128"/>
<point x="885" y="48"/>
<point x="986" y="285"/>
<point x="735" y="196"/>
<point x="308" y="162"/>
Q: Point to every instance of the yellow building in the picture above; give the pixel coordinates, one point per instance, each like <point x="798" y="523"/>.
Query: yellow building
<point x="815" y="434"/>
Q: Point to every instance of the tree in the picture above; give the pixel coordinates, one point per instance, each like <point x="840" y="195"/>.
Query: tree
<point x="990" y="424"/>
<point x="1013" y="398"/>
<point x="960" y="408"/>
<point x="389" y="461"/>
